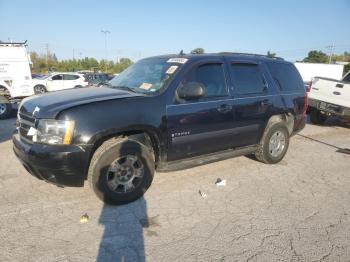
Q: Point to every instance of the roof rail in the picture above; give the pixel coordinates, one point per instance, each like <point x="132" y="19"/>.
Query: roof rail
<point x="248" y="54"/>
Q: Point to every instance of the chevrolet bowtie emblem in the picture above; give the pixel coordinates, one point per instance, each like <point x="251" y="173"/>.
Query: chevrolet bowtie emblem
<point x="36" y="110"/>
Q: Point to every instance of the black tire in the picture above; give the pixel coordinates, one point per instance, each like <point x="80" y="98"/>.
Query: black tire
<point x="101" y="161"/>
<point x="5" y="110"/>
<point x="39" y="89"/>
<point x="316" y="117"/>
<point x="263" y="152"/>
<point x="78" y="86"/>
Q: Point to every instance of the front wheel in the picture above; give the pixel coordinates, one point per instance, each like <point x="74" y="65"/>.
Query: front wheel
<point x="39" y="89"/>
<point x="274" y="144"/>
<point x="121" y="171"/>
<point x="5" y="110"/>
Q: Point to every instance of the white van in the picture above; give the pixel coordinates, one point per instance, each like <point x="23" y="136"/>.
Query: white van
<point x="15" y="76"/>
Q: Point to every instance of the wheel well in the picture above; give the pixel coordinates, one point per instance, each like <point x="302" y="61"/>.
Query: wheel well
<point x="143" y="137"/>
<point x="287" y="118"/>
<point x="4" y="92"/>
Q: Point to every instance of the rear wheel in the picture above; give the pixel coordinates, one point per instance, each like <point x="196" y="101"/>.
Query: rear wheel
<point x="317" y="117"/>
<point x="79" y="86"/>
<point x="39" y="89"/>
<point x="121" y="171"/>
<point x="274" y="144"/>
<point x="5" y="110"/>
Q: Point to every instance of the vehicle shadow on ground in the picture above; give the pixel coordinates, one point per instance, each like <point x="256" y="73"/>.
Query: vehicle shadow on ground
<point x="123" y="237"/>
<point x="338" y="149"/>
<point x="7" y="126"/>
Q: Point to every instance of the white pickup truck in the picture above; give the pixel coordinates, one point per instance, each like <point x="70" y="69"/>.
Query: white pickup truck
<point x="329" y="97"/>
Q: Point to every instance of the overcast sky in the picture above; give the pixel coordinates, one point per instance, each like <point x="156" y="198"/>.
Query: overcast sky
<point x="144" y="28"/>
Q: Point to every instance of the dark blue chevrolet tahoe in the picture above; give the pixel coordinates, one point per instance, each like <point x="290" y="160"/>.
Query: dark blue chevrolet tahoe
<point x="162" y="113"/>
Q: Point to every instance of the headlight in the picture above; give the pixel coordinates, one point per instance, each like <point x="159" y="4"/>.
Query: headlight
<point x="56" y="132"/>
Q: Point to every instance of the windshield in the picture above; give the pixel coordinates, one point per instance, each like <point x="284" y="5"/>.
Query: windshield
<point x="148" y="76"/>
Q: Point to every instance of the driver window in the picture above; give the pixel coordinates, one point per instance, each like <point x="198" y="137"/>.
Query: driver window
<point x="57" y="77"/>
<point x="211" y="76"/>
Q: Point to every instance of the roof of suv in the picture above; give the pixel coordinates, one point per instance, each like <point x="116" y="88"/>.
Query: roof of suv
<point x="244" y="56"/>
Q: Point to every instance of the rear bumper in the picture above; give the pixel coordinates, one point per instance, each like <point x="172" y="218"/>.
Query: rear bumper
<point x="329" y="108"/>
<point x="60" y="165"/>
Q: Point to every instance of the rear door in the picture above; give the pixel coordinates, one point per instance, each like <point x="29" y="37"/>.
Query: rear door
<point x="70" y="81"/>
<point x="201" y="126"/>
<point x="253" y="101"/>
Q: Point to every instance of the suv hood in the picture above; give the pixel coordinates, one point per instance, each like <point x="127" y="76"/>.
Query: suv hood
<point x="50" y="104"/>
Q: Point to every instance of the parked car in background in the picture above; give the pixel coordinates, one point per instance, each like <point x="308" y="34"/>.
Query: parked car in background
<point x="329" y="97"/>
<point x="58" y="81"/>
<point x="165" y="112"/>
<point x="97" y="79"/>
<point x="15" y="76"/>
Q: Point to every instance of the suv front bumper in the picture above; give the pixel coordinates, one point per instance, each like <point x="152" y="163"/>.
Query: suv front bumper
<point x="60" y="165"/>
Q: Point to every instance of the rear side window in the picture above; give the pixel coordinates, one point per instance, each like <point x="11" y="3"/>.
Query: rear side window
<point x="247" y="79"/>
<point x="286" y="76"/>
<point x="70" y="77"/>
<point x="211" y="76"/>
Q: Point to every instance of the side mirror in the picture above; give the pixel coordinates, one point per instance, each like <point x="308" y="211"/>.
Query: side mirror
<point x="190" y="91"/>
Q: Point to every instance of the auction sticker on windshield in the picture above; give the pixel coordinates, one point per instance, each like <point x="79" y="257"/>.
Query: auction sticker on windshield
<point x="171" y="70"/>
<point x="177" y="60"/>
<point x="145" y="86"/>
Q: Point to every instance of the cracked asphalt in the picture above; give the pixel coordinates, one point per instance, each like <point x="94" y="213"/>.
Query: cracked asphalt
<point x="297" y="210"/>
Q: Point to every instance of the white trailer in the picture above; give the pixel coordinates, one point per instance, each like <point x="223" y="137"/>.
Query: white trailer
<point x="15" y="76"/>
<point x="310" y="70"/>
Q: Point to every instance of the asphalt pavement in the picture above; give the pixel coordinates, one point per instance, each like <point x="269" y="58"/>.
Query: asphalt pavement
<point x="297" y="210"/>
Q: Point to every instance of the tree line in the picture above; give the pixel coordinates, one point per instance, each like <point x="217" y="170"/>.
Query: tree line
<point x="314" y="56"/>
<point x="44" y="63"/>
<point x="317" y="56"/>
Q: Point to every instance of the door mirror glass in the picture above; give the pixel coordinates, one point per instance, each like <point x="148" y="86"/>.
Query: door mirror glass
<point x="190" y="91"/>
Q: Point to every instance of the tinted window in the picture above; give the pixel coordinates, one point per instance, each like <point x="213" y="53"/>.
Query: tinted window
<point x="57" y="77"/>
<point x="247" y="79"/>
<point x="286" y="76"/>
<point x="211" y="76"/>
<point x="70" y="77"/>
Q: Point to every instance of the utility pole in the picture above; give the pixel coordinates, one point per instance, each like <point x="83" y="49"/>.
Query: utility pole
<point x="73" y="53"/>
<point x="105" y="32"/>
<point x="47" y="54"/>
<point x="331" y="49"/>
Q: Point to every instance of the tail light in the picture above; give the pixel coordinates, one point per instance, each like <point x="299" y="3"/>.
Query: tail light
<point x="305" y="103"/>
<point x="308" y="87"/>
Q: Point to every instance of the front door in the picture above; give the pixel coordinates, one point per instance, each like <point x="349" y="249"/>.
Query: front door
<point x="55" y="83"/>
<point x="204" y="125"/>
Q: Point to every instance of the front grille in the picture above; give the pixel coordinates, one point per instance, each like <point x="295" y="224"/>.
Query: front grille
<point x="25" y="123"/>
